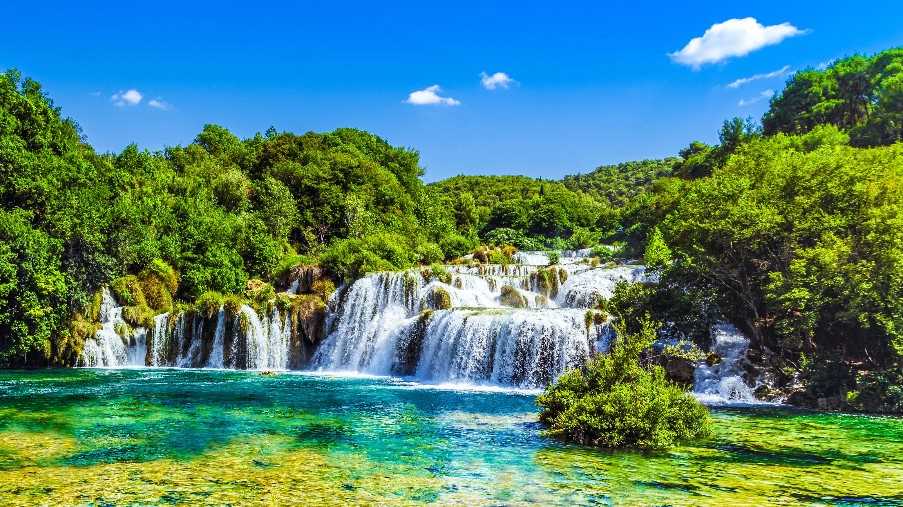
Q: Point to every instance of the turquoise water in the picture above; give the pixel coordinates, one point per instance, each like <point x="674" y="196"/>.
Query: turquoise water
<point x="145" y="436"/>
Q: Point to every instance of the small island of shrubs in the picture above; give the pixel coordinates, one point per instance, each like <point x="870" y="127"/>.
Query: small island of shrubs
<point x="619" y="401"/>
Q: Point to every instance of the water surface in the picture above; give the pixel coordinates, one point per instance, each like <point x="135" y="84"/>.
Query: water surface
<point x="170" y="436"/>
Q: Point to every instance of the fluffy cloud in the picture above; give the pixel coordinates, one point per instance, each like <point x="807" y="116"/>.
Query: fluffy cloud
<point x="783" y="71"/>
<point x="127" y="98"/>
<point x="159" y="103"/>
<point x="497" y="80"/>
<point x="767" y="94"/>
<point x="430" y="96"/>
<point x="734" y="37"/>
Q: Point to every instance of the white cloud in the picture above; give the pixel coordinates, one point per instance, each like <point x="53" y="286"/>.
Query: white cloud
<point x="767" y="94"/>
<point x="734" y="37"/>
<point x="159" y="103"/>
<point x="497" y="80"/>
<point x="783" y="71"/>
<point x="127" y="98"/>
<point x="430" y="96"/>
<point x="824" y="65"/>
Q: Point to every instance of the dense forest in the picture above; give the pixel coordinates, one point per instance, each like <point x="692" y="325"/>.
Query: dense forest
<point x="792" y="228"/>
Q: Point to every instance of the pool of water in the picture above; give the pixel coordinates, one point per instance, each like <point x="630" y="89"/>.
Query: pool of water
<point x="147" y="436"/>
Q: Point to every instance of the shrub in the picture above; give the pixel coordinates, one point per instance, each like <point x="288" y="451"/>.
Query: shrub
<point x="350" y="259"/>
<point x="878" y="391"/>
<point x="455" y="245"/>
<point x="127" y="291"/>
<point x="209" y="303"/>
<point x="499" y="257"/>
<point x="614" y="401"/>
<point x="429" y="253"/>
<point x="554" y="257"/>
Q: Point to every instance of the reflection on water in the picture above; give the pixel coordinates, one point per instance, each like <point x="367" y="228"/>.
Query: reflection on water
<point x="218" y="437"/>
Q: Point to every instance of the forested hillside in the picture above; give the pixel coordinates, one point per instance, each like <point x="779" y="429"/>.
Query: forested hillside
<point x="188" y="220"/>
<point x="526" y="212"/>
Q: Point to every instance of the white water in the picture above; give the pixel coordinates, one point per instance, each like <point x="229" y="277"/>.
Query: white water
<point x="219" y="337"/>
<point x="585" y="289"/>
<point x="108" y="349"/>
<point x="723" y="382"/>
<point x="396" y="324"/>
<point x="268" y="340"/>
<point x="377" y="328"/>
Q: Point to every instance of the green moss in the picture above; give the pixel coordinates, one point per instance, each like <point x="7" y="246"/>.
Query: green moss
<point x="138" y="316"/>
<point x="164" y="273"/>
<point x="128" y="291"/>
<point x="156" y="293"/>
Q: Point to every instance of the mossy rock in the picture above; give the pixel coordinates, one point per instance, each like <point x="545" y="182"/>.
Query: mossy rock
<point x="208" y="304"/>
<point x="138" y="316"/>
<point x="127" y="291"/>
<point x="232" y="303"/>
<point x="123" y="330"/>
<point x="324" y="288"/>
<point x="438" y="299"/>
<point x="513" y="297"/>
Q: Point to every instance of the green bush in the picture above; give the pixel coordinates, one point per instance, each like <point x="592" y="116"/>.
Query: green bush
<point x="878" y="391"/>
<point x="456" y="245"/>
<point x="209" y="303"/>
<point x="429" y="253"/>
<point x="614" y="401"/>
<point x="554" y="257"/>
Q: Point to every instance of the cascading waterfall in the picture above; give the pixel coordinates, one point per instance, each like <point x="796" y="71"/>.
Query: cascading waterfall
<point x="723" y="382"/>
<point x="115" y="344"/>
<point x="517" y="325"/>
<point x="490" y="328"/>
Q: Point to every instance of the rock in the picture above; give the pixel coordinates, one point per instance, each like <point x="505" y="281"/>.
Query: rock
<point x="712" y="359"/>
<point x="304" y="276"/>
<point x="512" y="297"/>
<point x="679" y="369"/>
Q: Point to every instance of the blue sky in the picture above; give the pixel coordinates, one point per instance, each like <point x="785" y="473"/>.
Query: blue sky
<point x="593" y="83"/>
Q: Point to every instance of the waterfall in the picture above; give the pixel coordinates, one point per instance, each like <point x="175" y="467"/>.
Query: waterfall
<point x="160" y="339"/>
<point x="584" y="289"/>
<point x="723" y="382"/>
<point x="268" y="340"/>
<point x="219" y="337"/>
<point x="486" y="326"/>
<point x="115" y="344"/>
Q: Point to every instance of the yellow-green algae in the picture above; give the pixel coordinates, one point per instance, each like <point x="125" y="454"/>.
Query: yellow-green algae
<point x="175" y="437"/>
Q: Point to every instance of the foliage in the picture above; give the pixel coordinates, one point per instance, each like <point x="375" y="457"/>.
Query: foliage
<point x="860" y="95"/>
<point x="518" y="210"/>
<point x="620" y="183"/>
<point x="615" y="401"/>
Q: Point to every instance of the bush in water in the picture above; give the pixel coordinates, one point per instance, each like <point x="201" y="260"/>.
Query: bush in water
<point x="614" y="401"/>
